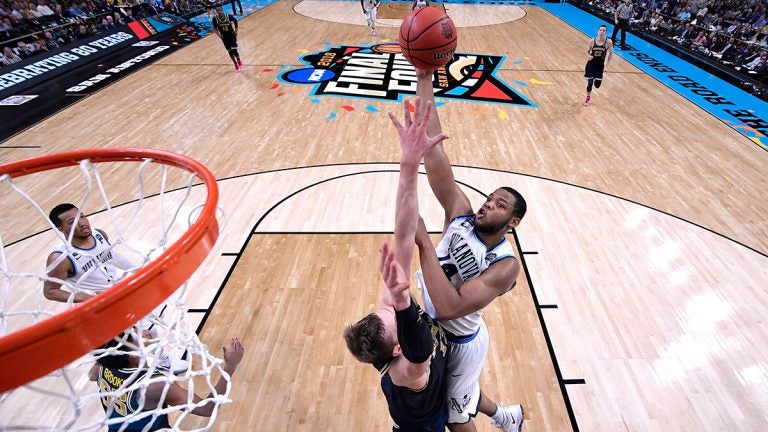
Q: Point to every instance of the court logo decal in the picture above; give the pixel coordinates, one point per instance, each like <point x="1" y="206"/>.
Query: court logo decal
<point x="381" y="72"/>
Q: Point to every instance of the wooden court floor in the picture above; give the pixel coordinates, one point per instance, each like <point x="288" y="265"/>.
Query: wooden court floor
<point x="644" y="247"/>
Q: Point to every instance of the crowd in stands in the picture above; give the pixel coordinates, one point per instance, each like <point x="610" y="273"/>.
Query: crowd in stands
<point x="31" y="27"/>
<point x="732" y="32"/>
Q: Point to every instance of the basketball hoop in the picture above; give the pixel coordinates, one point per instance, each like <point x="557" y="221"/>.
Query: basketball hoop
<point x="45" y="346"/>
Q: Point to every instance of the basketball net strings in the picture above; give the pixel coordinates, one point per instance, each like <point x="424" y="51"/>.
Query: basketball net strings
<point x="67" y="391"/>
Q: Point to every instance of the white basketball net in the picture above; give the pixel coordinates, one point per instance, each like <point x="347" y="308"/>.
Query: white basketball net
<point x="140" y="231"/>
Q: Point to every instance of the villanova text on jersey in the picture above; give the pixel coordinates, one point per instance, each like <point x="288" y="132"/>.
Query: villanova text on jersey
<point x="466" y="264"/>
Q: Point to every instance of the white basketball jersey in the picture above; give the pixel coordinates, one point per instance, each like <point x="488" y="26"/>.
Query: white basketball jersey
<point x="369" y="4"/>
<point x="97" y="268"/>
<point x="463" y="256"/>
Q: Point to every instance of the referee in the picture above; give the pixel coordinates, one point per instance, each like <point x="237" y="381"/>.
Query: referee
<point x="621" y="17"/>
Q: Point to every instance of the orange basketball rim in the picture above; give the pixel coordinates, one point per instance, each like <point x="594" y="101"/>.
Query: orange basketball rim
<point x="41" y="348"/>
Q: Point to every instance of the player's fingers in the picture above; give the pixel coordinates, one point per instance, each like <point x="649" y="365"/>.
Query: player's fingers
<point x="383" y="260"/>
<point x="407" y="113"/>
<point x="426" y="113"/>
<point x="393" y="273"/>
<point x="387" y="273"/>
<point x="386" y="259"/>
<point x="418" y="111"/>
<point x="396" y="123"/>
<point x="433" y="141"/>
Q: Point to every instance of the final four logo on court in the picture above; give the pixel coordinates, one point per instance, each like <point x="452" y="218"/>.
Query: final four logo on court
<point x="381" y="72"/>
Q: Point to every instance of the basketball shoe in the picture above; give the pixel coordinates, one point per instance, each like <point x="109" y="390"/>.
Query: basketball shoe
<point x="586" y="101"/>
<point x="174" y="365"/>
<point x="508" y="418"/>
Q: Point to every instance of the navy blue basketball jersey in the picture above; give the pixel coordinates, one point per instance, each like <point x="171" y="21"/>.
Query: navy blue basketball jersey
<point x="128" y="402"/>
<point x="423" y="410"/>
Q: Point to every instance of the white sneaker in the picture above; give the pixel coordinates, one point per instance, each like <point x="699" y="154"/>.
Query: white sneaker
<point x="179" y="366"/>
<point x="176" y="366"/>
<point x="508" y="418"/>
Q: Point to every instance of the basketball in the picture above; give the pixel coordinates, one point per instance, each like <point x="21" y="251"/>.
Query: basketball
<point x="428" y="38"/>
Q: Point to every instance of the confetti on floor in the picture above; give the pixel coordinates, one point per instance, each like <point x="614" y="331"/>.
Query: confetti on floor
<point x="371" y="108"/>
<point x="535" y="81"/>
<point x="331" y="116"/>
<point x="349" y="108"/>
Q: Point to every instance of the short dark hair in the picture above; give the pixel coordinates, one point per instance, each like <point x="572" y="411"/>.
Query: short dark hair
<point x="116" y="360"/>
<point x="57" y="211"/>
<point x="520" y="207"/>
<point x="603" y="25"/>
<point x="365" y="340"/>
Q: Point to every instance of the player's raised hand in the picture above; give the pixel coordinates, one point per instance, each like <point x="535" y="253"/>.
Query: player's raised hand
<point x="232" y="355"/>
<point x="394" y="278"/>
<point x="414" y="141"/>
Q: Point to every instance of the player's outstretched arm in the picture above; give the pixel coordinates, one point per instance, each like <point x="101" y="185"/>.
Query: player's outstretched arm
<point x="177" y="395"/>
<point x="414" y="144"/>
<point x="436" y="162"/>
<point x="413" y="333"/>
<point x="475" y="294"/>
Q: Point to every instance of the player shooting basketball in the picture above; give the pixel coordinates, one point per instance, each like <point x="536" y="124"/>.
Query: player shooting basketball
<point x="473" y="265"/>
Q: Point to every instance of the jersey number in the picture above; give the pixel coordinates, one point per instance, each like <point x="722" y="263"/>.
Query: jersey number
<point x="119" y="404"/>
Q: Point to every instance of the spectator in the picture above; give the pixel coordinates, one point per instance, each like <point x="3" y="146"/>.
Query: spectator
<point x="76" y="12"/>
<point x="40" y="46"/>
<point x="45" y="10"/>
<point x="6" y="28"/>
<point x="170" y="7"/>
<point x="23" y="50"/>
<point x="129" y="16"/>
<point x="700" y="39"/>
<point x="655" y="21"/>
<point x="9" y="57"/>
<point x="50" y="41"/>
<point x="103" y="26"/>
<point x="82" y="32"/>
<point x="759" y="63"/>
